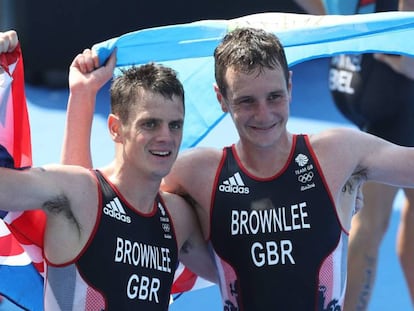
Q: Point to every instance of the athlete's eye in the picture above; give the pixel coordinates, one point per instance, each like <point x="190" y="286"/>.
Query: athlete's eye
<point x="150" y="124"/>
<point x="246" y="101"/>
<point x="276" y="96"/>
<point x="176" y="125"/>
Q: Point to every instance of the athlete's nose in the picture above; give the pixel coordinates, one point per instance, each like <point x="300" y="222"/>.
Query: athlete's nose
<point x="164" y="132"/>
<point x="262" y="112"/>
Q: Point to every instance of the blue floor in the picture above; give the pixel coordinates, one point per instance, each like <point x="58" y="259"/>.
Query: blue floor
<point x="311" y="110"/>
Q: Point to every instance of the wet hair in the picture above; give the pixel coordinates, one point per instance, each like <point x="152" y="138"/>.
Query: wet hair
<point x="127" y="87"/>
<point x="247" y="50"/>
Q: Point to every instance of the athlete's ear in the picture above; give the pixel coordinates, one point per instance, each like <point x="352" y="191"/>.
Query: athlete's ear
<point x="289" y="85"/>
<point x="220" y="98"/>
<point x="115" y="128"/>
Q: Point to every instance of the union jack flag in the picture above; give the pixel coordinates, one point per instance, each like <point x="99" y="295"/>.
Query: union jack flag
<point x="21" y="234"/>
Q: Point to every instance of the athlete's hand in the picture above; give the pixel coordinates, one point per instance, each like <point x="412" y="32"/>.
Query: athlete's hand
<point x="401" y="64"/>
<point x="8" y="41"/>
<point x="87" y="75"/>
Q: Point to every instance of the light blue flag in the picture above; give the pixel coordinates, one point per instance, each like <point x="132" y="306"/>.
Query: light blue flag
<point x="188" y="48"/>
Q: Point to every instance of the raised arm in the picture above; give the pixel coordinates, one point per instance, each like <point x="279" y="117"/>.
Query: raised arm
<point x="86" y="77"/>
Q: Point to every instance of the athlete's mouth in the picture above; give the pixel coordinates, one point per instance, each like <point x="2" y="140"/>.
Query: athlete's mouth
<point x="161" y="153"/>
<point x="264" y="128"/>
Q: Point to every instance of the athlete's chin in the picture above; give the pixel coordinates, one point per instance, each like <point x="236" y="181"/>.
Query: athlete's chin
<point x="159" y="174"/>
<point x="162" y="169"/>
<point x="264" y="139"/>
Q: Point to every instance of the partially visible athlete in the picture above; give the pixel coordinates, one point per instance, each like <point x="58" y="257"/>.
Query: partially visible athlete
<point x="376" y="93"/>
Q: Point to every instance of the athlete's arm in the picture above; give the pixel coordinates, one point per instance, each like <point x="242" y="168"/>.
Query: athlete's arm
<point x="193" y="250"/>
<point x="401" y="64"/>
<point x="195" y="255"/>
<point x="53" y="188"/>
<point x="67" y="194"/>
<point x="85" y="80"/>
<point x="406" y="5"/>
<point x="314" y="7"/>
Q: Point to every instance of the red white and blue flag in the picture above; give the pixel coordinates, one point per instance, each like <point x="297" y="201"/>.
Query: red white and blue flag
<point x="21" y="234"/>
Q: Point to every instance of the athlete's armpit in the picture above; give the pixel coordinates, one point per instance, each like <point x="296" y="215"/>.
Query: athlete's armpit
<point x="354" y="182"/>
<point x="59" y="204"/>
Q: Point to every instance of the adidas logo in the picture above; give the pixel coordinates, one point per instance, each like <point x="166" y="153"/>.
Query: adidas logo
<point x="161" y="208"/>
<point x="115" y="210"/>
<point x="234" y="184"/>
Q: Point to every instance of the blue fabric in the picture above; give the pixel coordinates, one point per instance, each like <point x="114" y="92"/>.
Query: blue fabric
<point x="22" y="285"/>
<point x="189" y="48"/>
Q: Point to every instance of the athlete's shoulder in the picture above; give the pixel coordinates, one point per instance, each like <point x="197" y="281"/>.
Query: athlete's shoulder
<point x="337" y="140"/>
<point x="172" y="200"/>
<point x="334" y="133"/>
<point x="201" y="153"/>
<point x="198" y="157"/>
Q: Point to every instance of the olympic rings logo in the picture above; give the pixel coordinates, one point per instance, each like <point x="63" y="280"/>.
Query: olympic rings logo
<point x="304" y="178"/>
<point x="166" y="227"/>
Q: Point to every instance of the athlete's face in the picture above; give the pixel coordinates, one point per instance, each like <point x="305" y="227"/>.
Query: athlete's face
<point x="259" y="104"/>
<point x="154" y="132"/>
